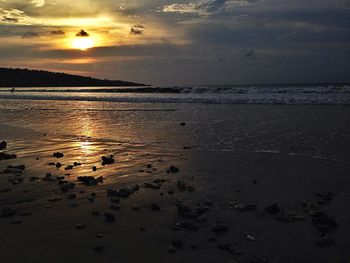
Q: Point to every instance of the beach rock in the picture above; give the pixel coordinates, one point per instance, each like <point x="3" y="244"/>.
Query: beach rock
<point x="114" y="207"/>
<point x="16" y="221"/>
<point x="171" y="249"/>
<point x="5" y="156"/>
<point x="177" y="243"/>
<point x="155" y="207"/>
<point x="109" y="217"/>
<point x="67" y="186"/>
<point x="52" y="164"/>
<point x="325" y="241"/>
<point x="123" y="192"/>
<point x="219" y="227"/>
<point x="72" y="196"/>
<point x="250" y="237"/>
<point x="107" y="160"/>
<point x="58" y="165"/>
<point x="94" y="168"/>
<point x="90" y="180"/>
<point x="33" y="178"/>
<point x="100" y="235"/>
<point x="272" y="209"/>
<point x="96" y="213"/>
<point x="320" y="218"/>
<point x="8" y="212"/>
<point x="229" y="248"/>
<point x="189" y="226"/>
<point x="173" y="169"/>
<point x="3" y="145"/>
<point x="69" y="167"/>
<point x="76" y="164"/>
<point x="80" y="226"/>
<point x="99" y="248"/>
<point x="58" y="155"/>
<point x="154" y="186"/>
<point x="183" y="123"/>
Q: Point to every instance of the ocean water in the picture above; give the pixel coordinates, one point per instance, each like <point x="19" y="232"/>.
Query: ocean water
<point x="273" y="94"/>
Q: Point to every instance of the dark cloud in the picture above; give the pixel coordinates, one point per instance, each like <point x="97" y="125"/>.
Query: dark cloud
<point x="82" y="33"/>
<point x="250" y="54"/>
<point x="10" y="19"/>
<point x="30" y="35"/>
<point x="57" y="32"/>
<point x="137" y="29"/>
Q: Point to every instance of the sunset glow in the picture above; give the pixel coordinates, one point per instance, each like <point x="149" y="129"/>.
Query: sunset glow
<point x="83" y="43"/>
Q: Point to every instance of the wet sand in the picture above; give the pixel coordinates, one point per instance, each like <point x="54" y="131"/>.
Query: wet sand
<point x="224" y="206"/>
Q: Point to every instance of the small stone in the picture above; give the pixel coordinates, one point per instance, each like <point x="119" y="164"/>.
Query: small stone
<point x="8" y="212"/>
<point x="114" y="207"/>
<point x="177" y="243"/>
<point x="76" y="164"/>
<point x="250" y="237"/>
<point x="220" y="227"/>
<point x="325" y="241"/>
<point x="98" y="248"/>
<point x="3" y="145"/>
<point x="96" y="213"/>
<point x="16" y="221"/>
<point x="171" y="249"/>
<point x="69" y="167"/>
<point x="58" y="165"/>
<point x="272" y="209"/>
<point x="58" y="155"/>
<point x="100" y="235"/>
<point x="173" y="169"/>
<point x="109" y="217"/>
<point x="94" y="168"/>
<point x="107" y="160"/>
<point x="183" y="124"/>
<point x="80" y="226"/>
<point x="155" y="207"/>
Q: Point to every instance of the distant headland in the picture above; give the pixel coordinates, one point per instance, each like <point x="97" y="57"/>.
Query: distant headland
<point x="15" y="77"/>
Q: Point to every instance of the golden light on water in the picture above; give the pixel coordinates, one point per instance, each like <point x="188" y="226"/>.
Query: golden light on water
<point x="83" y="43"/>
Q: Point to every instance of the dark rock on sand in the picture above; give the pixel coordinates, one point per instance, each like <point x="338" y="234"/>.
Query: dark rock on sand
<point x="155" y="207"/>
<point x="69" y="167"/>
<point x="272" y="209"/>
<point x="177" y="243"/>
<point x="80" y="226"/>
<point x="325" y="241"/>
<point x="99" y="248"/>
<point x="123" y="192"/>
<point x="3" y="145"/>
<point x="5" y="156"/>
<point x="8" y="211"/>
<point x="154" y="186"/>
<point x="58" y="155"/>
<point x="229" y="248"/>
<point x="219" y="227"/>
<point x="107" y="160"/>
<point x="94" y="168"/>
<point x="320" y="218"/>
<point x="58" y="165"/>
<point x="90" y="180"/>
<point x="173" y="169"/>
<point x="109" y="217"/>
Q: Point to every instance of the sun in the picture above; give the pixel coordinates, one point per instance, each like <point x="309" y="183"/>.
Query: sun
<point x="83" y="43"/>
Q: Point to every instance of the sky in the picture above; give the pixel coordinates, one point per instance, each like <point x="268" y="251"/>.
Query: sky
<point x="177" y="42"/>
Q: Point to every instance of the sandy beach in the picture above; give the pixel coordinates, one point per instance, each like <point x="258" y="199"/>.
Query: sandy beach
<point x="181" y="192"/>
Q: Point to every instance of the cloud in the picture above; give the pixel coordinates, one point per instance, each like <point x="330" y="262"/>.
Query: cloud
<point x="206" y="7"/>
<point x="57" y="32"/>
<point x="38" y="3"/>
<point x="30" y="35"/>
<point x="250" y="54"/>
<point x="12" y="15"/>
<point x="137" y="29"/>
<point x="82" y="33"/>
